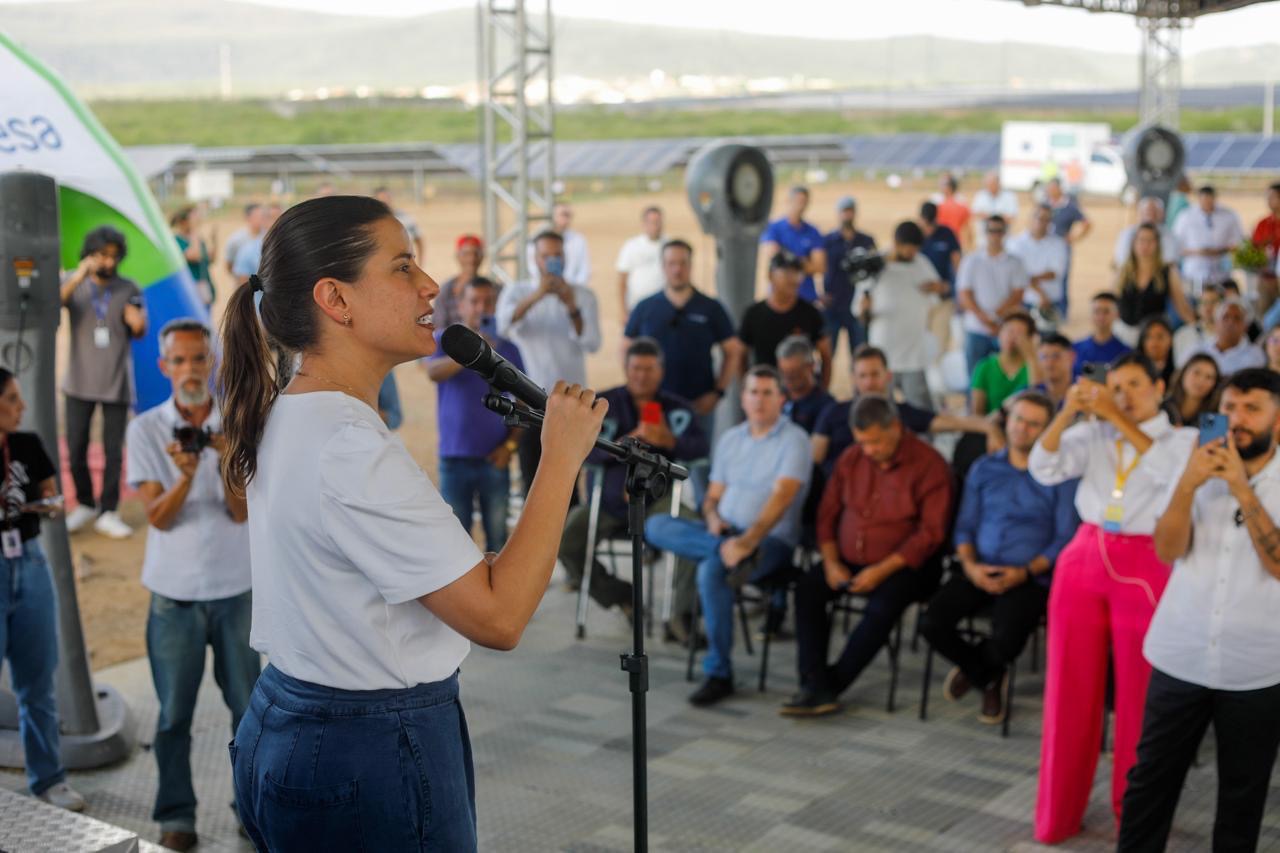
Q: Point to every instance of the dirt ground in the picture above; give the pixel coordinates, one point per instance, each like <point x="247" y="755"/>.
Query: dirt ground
<point x="112" y="601"/>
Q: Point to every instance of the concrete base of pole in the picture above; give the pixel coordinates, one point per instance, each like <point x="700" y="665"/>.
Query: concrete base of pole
<point x="113" y="740"/>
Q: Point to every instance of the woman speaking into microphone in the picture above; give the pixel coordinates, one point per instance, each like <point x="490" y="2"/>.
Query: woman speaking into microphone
<point x="367" y="592"/>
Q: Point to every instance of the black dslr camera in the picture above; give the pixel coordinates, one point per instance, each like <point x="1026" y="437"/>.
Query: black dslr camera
<point x="192" y="439"/>
<point x="861" y="263"/>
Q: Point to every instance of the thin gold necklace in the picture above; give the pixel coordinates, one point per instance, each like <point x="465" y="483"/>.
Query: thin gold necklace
<point x="330" y="381"/>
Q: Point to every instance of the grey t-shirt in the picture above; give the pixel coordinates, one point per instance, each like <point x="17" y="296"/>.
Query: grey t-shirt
<point x="100" y="374"/>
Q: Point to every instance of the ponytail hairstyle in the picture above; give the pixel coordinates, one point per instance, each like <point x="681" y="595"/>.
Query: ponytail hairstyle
<point x="326" y="237"/>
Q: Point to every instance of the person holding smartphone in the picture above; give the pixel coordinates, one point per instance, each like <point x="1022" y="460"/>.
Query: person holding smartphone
<point x="1214" y="643"/>
<point x="555" y="324"/>
<point x="639" y="409"/>
<point x="1107" y="581"/>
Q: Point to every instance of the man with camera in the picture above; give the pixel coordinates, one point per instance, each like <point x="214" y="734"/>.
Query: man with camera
<point x="196" y="566"/>
<point x="894" y="304"/>
<point x="106" y="314"/>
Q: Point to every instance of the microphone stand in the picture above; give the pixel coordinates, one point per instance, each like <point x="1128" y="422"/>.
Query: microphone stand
<point x="648" y="474"/>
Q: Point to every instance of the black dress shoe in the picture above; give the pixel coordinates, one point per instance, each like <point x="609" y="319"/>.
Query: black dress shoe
<point x="711" y="692"/>
<point x="810" y="703"/>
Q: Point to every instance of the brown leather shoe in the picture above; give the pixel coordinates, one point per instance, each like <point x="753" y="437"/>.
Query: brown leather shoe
<point x="178" y="840"/>
<point x="995" y="701"/>
<point x="956" y="685"/>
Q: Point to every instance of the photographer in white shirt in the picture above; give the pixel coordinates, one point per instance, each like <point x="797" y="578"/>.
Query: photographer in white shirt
<point x="196" y="567"/>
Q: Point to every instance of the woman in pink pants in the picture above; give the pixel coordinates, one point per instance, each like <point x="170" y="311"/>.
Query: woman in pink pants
<point x="1106" y="582"/>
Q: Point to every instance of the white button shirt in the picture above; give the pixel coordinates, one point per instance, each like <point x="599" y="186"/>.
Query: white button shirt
<point x="1196" y="229"/>
<point x="551" y="348"/>
<point x="1088" y="451"/>
<point x="577" y="258"/>
<point x="1216" y="625"/>
<point x="1048" y="254"/>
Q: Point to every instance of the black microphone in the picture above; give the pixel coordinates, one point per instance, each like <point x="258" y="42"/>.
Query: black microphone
<point x="474" y="353"/>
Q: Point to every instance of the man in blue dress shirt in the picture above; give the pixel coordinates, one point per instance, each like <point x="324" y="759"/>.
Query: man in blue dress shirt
<point x="1008" y="535"/>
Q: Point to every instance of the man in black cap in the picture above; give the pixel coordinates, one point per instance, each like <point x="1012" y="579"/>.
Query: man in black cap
<point x="782" y="314"/>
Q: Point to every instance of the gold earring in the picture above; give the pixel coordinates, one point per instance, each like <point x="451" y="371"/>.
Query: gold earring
<point x="346" y="319"/>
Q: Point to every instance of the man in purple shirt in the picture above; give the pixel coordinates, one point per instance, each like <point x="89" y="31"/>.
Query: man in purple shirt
<point x="475" y="445"/>
<point x="800" y="238"/>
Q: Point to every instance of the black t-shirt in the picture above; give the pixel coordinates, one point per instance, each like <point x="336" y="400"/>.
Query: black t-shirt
<point x="763" y="328"/>
<point x="29" y="466"/>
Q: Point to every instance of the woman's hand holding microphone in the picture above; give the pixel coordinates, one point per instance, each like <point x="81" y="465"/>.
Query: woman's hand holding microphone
<point x="571" y="424"/>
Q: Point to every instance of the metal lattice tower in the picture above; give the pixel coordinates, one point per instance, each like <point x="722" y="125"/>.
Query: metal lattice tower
<point x="514" y="46"/>
<point x="1160" y="68"/>
<point x="1160" y="72"/>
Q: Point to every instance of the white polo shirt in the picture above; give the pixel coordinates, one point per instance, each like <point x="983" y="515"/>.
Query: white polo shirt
<point x="1216" y="623"/>
<point x="346" y="532"/>
<point x="204" y="556"/>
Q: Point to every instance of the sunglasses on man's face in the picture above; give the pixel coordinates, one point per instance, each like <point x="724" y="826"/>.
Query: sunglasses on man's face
<point x="995" y="230"/>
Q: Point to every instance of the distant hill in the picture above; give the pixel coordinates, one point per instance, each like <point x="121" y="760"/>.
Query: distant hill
<point x="129" y="48"/>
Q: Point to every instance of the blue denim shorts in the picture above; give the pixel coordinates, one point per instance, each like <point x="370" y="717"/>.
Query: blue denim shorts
<point x="317" y="768"/>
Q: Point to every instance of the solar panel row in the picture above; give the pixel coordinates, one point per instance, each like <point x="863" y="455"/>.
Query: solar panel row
<point x="1206" y="152"/>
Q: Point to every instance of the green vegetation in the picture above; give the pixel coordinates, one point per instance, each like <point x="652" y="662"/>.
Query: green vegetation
<point x="260" y="122"/>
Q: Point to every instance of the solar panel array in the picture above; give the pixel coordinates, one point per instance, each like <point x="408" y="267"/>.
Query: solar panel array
<point x="902" y="152"/>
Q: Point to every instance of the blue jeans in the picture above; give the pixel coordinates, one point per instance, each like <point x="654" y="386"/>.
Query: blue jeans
<point x="690" y="539"/>
<point x="177" y="634"/>
<point x="978" y="346"/>
<point x="29" y="641"/>
<point x="466" y="479"/>
<point x="318" y="768"/>
<point x="839" y="317"/>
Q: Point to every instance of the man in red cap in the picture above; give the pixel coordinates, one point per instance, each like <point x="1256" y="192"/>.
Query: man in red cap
<point x="470" y="254"/>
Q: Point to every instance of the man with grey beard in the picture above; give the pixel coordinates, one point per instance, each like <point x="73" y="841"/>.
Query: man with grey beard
<point x="196" y="567"/>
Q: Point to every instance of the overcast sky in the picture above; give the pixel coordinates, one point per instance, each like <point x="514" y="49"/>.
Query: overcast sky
<point x="984" y="20"/>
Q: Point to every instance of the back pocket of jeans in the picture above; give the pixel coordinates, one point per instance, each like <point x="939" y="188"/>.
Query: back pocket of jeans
<point x="326" y="817"/>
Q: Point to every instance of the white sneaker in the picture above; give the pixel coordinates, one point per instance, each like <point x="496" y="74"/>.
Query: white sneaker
<point x="110" y="524"/>
<point x="64" y="796"/>
<point x="79" y="517"/>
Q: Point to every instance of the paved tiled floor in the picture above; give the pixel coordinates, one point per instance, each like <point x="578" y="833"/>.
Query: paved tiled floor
<point x="550" y="725"/>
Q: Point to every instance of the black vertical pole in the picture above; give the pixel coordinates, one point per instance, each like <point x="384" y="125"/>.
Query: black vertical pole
<point x="637" y="664"/>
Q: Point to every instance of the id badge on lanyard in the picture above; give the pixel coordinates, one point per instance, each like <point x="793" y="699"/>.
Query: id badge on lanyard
<point x="10" y="536"/>
<point x="101" y="332"/>
<point x="1113" y="514"/>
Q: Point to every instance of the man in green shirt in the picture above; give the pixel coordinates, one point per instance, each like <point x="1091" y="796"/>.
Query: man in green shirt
<point x="1004" y="373"/>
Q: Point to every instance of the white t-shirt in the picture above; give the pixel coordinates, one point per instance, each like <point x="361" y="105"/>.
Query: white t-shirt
<point x="991" y="279"/>
<point x="204" y="555"/>
<point x="345" y="532"/>
<point x="641" y="260"/>
<point x="900" y="313"/>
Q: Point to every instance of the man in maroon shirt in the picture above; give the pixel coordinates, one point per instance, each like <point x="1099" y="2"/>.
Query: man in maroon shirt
<point x="881" y="526"/>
